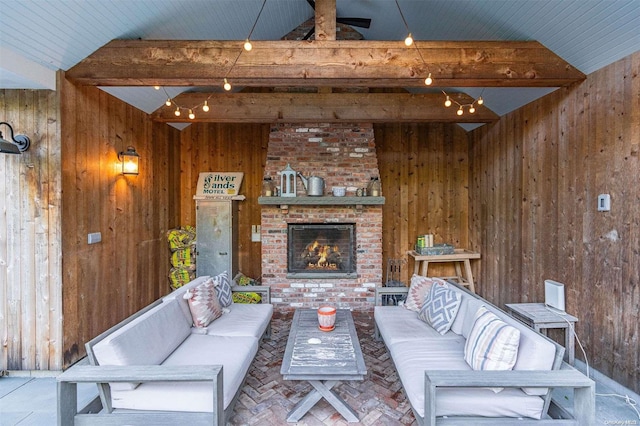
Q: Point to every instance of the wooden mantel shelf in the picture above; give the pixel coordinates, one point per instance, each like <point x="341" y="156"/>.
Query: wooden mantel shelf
<point x="285" y="202"/>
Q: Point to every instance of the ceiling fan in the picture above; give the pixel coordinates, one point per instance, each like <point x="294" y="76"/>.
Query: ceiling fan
<point x="354" y="22"/>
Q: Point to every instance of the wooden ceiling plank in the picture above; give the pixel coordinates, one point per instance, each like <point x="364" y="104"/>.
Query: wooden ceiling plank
<point x="331" y="107"/>
<point x="352" y="63"/>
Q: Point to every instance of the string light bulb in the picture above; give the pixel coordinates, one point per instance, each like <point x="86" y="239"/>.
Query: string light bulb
<point x="460" y="111"/>
<point x="247" y="45"/>
<point x="227" y="85"/>
<point x="205" y="107"/>
<point x="472" y="109"/>
<point x="156" y="87"/>
<point x="480" y="101"/>
<point x="447" y="103"/>
<point x="168" y="103"/>
<point x="428" y="81"/>
<point x="177" y="112"/>
<point x="191" y="115"/>
<point x="409" y="40"/>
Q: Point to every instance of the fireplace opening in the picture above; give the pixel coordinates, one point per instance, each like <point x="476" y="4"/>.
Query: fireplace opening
<point x="321" y="250"/>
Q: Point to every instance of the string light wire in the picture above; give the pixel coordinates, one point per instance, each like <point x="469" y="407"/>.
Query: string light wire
<point x="409" y="41"/>
<point x="471" y="107"/>
<point x="204" y="106"/>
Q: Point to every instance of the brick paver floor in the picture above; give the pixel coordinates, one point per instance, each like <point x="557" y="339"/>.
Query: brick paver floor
<point x="266" y="398"/>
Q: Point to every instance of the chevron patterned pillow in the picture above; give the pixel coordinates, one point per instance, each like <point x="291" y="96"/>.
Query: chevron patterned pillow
<point x="440" y="307"/>
<point x="223" y="288"/>
<point x="203" y="303"/>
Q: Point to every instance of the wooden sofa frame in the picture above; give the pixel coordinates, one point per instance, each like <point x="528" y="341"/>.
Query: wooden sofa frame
<point x="562" y="375"/>
<point x="100" y="411"/>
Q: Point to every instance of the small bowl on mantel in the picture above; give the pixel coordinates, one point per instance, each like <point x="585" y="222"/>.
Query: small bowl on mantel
<point x="339" y="191"/>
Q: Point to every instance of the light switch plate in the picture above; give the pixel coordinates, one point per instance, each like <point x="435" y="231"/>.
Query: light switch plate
<point x="604" y="202"/>
<point x="255" y="233"/>
<point x="94" y="237"/>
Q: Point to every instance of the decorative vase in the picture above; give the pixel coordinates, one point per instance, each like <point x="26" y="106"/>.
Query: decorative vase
<point x="326" y="318"/>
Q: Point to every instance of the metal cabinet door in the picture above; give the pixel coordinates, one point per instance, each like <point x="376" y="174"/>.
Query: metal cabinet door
<point x="214" y="241"/>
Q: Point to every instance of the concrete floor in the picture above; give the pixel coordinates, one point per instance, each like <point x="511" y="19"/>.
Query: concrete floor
<point x="266" y="398"/>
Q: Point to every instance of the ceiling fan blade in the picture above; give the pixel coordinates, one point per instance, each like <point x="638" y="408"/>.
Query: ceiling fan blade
<point x="355" y="22"/>
<point x="309" y="34"/>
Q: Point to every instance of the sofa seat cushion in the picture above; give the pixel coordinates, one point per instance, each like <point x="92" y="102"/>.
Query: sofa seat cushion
<point x="242" y="320"/>
<point x="235" y="354"/>
<point x="147" y="340"/>
<point x="397" y="324"/>
<point x="412" y="360"/>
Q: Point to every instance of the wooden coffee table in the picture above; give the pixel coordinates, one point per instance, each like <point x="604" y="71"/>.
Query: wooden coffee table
<point x="336" y="357"/>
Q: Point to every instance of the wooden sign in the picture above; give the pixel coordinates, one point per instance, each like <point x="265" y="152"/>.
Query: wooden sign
<point x="219" y="184"/>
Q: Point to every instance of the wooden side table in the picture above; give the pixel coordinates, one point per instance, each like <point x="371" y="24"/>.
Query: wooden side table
<point x="540" y="318"/>
<point x="460" y="257"/>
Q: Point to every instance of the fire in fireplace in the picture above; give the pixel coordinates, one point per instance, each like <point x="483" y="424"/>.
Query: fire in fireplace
<point x="321" y="250"/>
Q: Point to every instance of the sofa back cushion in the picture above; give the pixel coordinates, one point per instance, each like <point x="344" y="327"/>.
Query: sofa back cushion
<point x="147" y="340"/>
<point x="535" y="352"/>
<point x="471" y="308"/>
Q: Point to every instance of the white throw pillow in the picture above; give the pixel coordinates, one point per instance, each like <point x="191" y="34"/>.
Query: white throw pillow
<point x="492" y="343"/>
<point x="440" y="307"/>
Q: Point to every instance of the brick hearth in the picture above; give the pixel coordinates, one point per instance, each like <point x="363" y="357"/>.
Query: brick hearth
<point x="344" y="155"/>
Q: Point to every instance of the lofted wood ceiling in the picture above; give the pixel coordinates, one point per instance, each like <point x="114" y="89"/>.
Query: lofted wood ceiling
<point x="575" y="37"/>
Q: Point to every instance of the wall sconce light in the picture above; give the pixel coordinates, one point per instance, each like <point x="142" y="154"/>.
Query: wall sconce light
<point x="130" y="161"/>
<point x="18" y="143"/>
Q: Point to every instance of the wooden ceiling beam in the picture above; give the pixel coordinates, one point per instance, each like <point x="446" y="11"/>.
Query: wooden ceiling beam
<point x="322" y="107"/>
<point x="334" y="63"/>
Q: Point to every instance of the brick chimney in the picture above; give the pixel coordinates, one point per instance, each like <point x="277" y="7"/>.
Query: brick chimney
<point x="343" y="155"/>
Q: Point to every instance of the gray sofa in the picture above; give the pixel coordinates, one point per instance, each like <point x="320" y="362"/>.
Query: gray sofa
<point x="443" y="389"/>
<point x="156" y="368"/>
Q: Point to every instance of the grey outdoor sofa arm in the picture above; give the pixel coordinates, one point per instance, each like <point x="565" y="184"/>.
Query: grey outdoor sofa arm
<point x="584" y="392"/>
<point x="68" y="413"/>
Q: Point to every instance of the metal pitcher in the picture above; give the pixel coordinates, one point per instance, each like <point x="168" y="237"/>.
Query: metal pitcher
<point x="314" y="185"/>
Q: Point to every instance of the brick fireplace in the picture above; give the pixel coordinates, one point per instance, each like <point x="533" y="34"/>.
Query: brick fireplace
<point x="344" y="155"/>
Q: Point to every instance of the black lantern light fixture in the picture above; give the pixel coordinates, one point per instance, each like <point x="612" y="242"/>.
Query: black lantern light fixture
<point x="130" y="161"/>
<point x="18" y="143"/>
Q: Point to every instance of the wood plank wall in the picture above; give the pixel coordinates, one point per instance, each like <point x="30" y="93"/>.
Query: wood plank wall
<point x="424" y="172"/>
<point x="535" y="179"/>
<point x="106" y="282"/>
<point x="30" y="235"/>
<point x="207" y="147"/>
